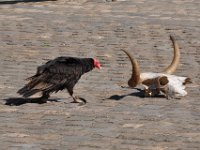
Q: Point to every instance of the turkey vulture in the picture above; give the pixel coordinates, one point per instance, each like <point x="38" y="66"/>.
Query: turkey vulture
<point x="58" y="74"/>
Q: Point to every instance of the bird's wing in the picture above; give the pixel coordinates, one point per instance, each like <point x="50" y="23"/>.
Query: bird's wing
<point x="59" y="74"/>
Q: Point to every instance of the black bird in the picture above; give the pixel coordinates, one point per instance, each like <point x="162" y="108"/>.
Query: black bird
<point x="58" y="74"/>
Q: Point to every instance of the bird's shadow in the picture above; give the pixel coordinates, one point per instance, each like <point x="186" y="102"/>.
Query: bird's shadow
<point x="16" y="101"/>
<point x="139" y="93"/>
<point x="21" y="1"/>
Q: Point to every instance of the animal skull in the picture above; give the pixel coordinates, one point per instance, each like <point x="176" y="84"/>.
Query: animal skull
<point x="171" y="86"/>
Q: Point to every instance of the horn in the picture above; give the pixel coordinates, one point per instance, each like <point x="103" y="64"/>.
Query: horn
<point x="174" y="64"/>
<point x="135" y="78"/>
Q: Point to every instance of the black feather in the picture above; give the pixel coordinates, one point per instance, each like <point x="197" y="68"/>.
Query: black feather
<point x="58" y="74"/>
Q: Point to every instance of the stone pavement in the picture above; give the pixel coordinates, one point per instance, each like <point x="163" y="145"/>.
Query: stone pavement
<point x="114" y="118"/>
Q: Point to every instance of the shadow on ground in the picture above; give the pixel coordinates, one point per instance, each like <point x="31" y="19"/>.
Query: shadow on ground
<point x="22" y="1"/>
<point x="120" y="97"/>
<point x="16" y="101"/>
<point x="140" y="94"/>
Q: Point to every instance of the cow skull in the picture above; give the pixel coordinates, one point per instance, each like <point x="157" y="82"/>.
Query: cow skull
<point x="171" y="86"/>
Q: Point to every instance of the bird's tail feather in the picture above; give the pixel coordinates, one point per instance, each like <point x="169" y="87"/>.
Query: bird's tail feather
<point x="22" y="90"/>
<point x="27" y="92"/>
<point x="31" y="78"/>
<point x="39" y="84"/>
<point x="30" y="92"/>
<point x="34" y="87"/>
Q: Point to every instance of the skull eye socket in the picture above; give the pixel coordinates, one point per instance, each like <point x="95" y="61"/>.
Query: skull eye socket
<point x="163" y="80"/>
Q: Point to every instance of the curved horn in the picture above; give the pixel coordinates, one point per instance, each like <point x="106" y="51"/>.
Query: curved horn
<point x="174" y="64"/>
<point x="135" y="78"/>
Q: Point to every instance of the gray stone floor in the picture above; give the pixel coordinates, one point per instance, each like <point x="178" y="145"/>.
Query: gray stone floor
<point x="114" y="118"/>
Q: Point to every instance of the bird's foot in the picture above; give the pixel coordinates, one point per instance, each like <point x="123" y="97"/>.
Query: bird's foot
<point x="79" y="100"/>
<point x="75" y="99"/>
<point x="42" y="101"/>
<point x="44" y="98"/>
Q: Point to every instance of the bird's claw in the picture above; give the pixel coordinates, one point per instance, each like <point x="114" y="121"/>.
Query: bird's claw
<point x="79" y="100"/>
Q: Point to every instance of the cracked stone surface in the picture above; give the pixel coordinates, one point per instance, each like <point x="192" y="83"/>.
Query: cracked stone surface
<point x="114" y="118"/>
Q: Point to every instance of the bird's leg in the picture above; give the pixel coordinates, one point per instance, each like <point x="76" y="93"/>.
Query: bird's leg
<point x="76" y="98"/>
<point x="44" y="97"/>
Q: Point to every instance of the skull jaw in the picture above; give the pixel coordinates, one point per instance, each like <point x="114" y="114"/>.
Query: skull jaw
<point x="151" y="92"/>
<point x="168" y="92"/>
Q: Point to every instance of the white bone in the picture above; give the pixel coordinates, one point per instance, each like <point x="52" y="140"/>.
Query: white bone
<point x="175" y="85"/>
